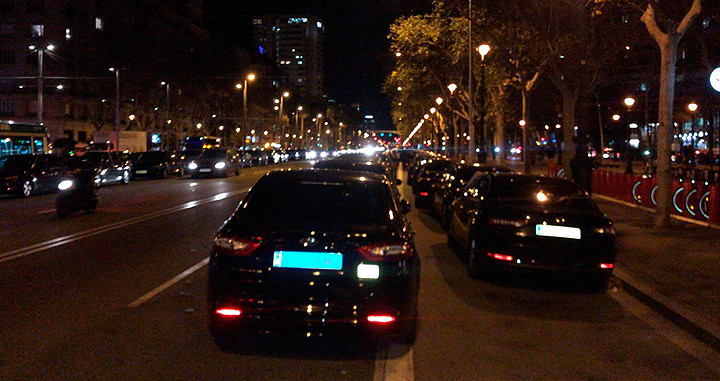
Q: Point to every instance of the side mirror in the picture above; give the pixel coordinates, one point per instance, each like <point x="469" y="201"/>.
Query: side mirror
<point x="405" y="206"/>
<point x="398" y="182"/>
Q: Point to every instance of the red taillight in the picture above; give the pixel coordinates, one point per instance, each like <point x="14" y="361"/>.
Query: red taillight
<point x="386" y="251"/>
<point x="238" y="247"/>
<point x="508" y="222"/>
<point x="501" y="257"/>
<point x="424" y="194"/>
<point x="228" y="311"/>
<point x="381" y="319"/>
<point x="607" y="265"/>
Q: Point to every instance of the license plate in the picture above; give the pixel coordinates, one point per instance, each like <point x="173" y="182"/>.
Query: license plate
<point x="557" y="231"/>
<point x="141" y="171"/>
<point x="307" y="260"/>
<point x="205" y="170"/>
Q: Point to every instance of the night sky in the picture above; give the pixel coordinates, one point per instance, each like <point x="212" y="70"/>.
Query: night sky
<point x="356" y="46"/>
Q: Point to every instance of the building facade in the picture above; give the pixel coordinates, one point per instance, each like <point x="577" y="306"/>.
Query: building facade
<point x="295" y="45"/>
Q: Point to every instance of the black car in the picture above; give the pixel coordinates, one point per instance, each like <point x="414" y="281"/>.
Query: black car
<point x="258" y="157"/>
<point x="24" y="175"/>
<point x="112" y="167"/>
<point x="522" y="222"/>
<point x="311" y="252"/>
<point x="450" y="186"/>
<point x="156" y="164"/>
<point x="187" y="157"/>
<point x="420" y="159"/>
<point x="215" y="162"/>
<point x="428" y="175"/>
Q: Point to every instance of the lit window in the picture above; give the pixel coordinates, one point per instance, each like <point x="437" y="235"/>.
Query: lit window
<point x="38" y="30"/>
<point x="98" y="23"/>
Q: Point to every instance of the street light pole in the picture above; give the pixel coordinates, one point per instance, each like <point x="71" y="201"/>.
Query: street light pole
<point x="117" y="107"/>
<point x="471" y="128"/>
<point x="40" y="86"/>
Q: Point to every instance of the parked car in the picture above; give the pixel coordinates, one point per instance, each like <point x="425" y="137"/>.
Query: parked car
<point x="112" y="167"/>
<point x="531" y="223"/>
<point x="314" y="252"/>
<point x="244" y="158"/>
<point x="428" y="175"/>
<point x="24" y="175"/>
<point x="156" y="164"/>
<point x="258" y="157"/>
<point x="215" y="162"/>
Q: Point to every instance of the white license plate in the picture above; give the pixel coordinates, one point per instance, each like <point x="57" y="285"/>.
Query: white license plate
<point x="557" y="231"/>
<point x="141" y="171"/>
<point x="205" y="170"/>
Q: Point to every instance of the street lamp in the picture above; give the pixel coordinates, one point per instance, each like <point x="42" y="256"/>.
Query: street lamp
<point x="452" y="87"/>
<point x="298" y="126"/>
<point x="167" y="111"/>
<point x="439" y="101"/>
<point x="250" y="77"/>
<point x="41" y="51"/>
<point x="629" y="102"/>
<point x="692" y="107"/>
<point x="483" y="50"/>
<point x="616" y="117"/>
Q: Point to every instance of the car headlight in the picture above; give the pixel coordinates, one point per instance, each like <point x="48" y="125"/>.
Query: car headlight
<point x="220" y="165"/>
<point x="65" y="185"/>
<point x="311" y="155"/>
<point x="103" y="172"/>
<point x="192" y="165"/>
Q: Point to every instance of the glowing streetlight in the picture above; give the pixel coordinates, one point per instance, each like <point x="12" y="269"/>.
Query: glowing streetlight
<point x="221" y="128"/>
<point x="433" y="110"/>
<point x="629" y="101"/>
<point x="426" y="116"/>
<point x="522" y="122"/>
<point x="398" y="54"/>
<point x="286" y="94"/>
<point x="439" y="101"/>
<point x="483" y="50"/>
<point x="399" y="88"/>
<point x="131" y="117"/>
<point x="452" y="87"/>
<point x="237" y="130"/>
<point x="251" y="77"/>
<point x="692" y="107"/>
<point x="239" y="86"/>
<point x="199" y="126"/>
<point x="300" y="108"/>
<point x="616" y="117"/>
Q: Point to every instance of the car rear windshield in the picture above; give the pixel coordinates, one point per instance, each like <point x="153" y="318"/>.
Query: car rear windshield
<point x="526" y="189"/>
<point x="311" y="204"/>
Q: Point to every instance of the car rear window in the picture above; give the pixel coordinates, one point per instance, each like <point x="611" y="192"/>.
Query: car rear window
<point x="316" y="204"/>
<point x="437" y="166"/>
<point x="526" y="189"/>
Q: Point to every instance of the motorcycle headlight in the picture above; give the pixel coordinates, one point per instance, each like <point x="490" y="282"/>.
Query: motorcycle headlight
<point x="192" y="165"/>
<point x="65" y="185"/>
<point x="220" y="165"/>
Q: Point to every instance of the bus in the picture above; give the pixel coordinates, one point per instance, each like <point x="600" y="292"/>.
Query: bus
<point x="19" y="138"/>
<point x="196" y="143"/>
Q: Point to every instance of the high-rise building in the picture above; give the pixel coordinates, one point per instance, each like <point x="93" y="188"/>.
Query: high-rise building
<point x="295" y="45"/>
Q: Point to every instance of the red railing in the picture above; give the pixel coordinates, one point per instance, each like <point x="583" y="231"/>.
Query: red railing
<point x="692" y="199"/>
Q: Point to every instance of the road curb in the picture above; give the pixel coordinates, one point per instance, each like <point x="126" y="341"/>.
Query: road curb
<point x="704" y="330"/>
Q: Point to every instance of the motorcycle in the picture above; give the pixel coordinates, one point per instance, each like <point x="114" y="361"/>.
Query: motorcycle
<point x="74" y="198"/>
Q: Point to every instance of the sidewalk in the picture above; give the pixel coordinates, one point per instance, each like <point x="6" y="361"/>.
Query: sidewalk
<point x="674" y="270"/>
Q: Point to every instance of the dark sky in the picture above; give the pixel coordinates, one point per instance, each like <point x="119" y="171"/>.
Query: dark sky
<point x="356" y="46"/>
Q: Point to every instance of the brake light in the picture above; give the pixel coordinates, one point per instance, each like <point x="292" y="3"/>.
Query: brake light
<point x="381" y="319"/>
<point x="228" y="311"/>
<point x="237" y="247"/>
<point x="424" y="194"/>
<point x="386" y="251"/>
<point x="501" y="257"/>
<point x="607" y="265"/>
<point x="508" y="222"/>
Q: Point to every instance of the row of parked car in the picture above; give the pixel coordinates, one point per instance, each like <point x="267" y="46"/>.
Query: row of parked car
<point x="503" y="221"/>
<point x="25" y="175"/>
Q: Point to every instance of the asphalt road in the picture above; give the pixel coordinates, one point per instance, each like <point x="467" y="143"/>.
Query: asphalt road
<point x="120" y="294"/>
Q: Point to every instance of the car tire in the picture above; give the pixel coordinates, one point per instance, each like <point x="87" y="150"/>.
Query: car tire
<point x="26" y="188"/>
<point x="474" y="266"/>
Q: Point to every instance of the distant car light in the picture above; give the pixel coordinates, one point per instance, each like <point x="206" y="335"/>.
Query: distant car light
<point x="381" y="319"/>
<point x="65" y="185"/>
<point x="607" y="265"/>
<point x="501" y="257"/>
<point x="228" y="311"/>
<point x="311" y="155"/>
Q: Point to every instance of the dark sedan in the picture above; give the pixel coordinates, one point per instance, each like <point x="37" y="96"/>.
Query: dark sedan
<point x="216" y="162"/>
<point x="156" y="164"/>
<point x="112" y="167"/>
<point x="450" y="186"/>
<point x="24" y="175"/>
<point x="311" y="252"/>
<point x="520" y="222"/>
<point x="428" y="175"/>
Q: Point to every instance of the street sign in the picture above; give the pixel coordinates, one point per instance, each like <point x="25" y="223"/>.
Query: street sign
<point x="715" y="79"/>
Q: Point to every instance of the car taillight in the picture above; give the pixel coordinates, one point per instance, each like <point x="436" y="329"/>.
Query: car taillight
<point x="607" y="265"/>
<point x="424" y="194"/>
<point x="238" y="247"/>
<point x="381" y="319"/>
<point x="501" y="257"/>
<point x="610" y="230"/>
<point x="386" y="251"/>
<point x="508" y="222"/>
<point x="228" y="311"/>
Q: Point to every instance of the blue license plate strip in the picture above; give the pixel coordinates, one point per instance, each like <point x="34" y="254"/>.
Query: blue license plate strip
<point x="310" y="260"/>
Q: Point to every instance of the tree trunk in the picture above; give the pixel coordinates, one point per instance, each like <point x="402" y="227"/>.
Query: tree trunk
<point x="668" y="53"/>
<point x="527" y="160"/>
<point x="569" y="99"/>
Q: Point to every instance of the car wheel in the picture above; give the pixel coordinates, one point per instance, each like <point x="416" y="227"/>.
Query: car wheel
<point x="163" y="173"/>
<point x="126" y="177"/>
<point x="474" y="268"/>
<point x="227" y="343"/>
<point x="27" y="188"/>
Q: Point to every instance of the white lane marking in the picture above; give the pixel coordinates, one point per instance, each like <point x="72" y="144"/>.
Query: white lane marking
<point x="46" y="211"/>
<point x="18" y="253"/>
<point x="168" y="284"/>
<point x="394" y="362"/>
<point x="692" y="346"/>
